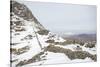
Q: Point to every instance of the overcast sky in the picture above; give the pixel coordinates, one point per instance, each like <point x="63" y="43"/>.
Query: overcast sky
<point x="59" y="17"/>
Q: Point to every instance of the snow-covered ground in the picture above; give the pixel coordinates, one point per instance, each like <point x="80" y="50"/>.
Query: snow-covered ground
<point x="57" y="58"/>
<point x="31" y="38"/>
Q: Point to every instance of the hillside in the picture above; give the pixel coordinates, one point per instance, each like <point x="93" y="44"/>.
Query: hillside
<point x="32" y="44"/>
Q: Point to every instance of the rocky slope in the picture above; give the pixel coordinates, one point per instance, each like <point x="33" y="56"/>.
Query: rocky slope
<point x="32" y="44"/>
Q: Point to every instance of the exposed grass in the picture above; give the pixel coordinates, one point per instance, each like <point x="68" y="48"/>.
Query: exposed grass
<point x="35" y="58"/>
<point x="67" y="42"/>
<point x="50" y="41"/>
<point x="43" y="32"/>
<point x="71" y="54"/>
<point x="90" y="45"/>
<point x="20" y="50"/>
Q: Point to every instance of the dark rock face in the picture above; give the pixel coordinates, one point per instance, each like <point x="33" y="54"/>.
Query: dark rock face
<point x="21" y="10"/>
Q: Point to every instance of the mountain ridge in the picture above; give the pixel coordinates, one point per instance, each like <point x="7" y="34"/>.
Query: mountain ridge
<point x="31" y="43"/>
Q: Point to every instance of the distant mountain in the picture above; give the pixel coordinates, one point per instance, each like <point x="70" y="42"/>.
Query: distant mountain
<point x="85" y="37"/>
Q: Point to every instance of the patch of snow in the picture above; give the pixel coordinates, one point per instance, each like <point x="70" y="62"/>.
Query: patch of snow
<point x="90" y="50"/>
<point x="81" y="60"/>
<point x="57" y="58"/>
